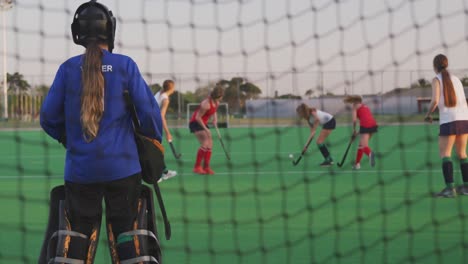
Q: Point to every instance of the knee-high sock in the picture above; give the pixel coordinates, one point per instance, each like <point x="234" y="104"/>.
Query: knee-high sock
<point x="464" y="170"/>
<point x="324" y="150"/>
<point x="447" y="170"/>
<point x="359" y="155"/>
<point x="200" y="156"/>
<point x="207" y="158"/>
<point x="366" y="150"/>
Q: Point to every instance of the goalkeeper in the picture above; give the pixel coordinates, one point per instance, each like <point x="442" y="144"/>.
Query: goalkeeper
<point x="85" y="110"/>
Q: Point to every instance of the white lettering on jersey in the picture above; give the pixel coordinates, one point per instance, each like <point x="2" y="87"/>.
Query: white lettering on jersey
<point x="106" y="68"/>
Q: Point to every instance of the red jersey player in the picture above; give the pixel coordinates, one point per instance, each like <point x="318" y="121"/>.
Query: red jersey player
<point x="199" y="126"/>
<point x="368" y="126"/>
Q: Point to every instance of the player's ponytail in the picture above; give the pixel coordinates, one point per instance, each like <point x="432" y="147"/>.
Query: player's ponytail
<point x="167" y="85"/>
<point x="440" y="65"/>
<point x="92" y="96"/>
<point x="217" y="93"/>
<point x="303" y="111"/>
<point x="450" y="98"/>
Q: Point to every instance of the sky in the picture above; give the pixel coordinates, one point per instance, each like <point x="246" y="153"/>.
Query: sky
<point x="353" y="46"/>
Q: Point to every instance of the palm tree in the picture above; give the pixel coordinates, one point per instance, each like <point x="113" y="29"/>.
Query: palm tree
<point x="17" y="83"/>
<point x="20" y="88"/>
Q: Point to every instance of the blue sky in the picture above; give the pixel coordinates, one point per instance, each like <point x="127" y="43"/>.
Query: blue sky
<point x="329" y="43"/>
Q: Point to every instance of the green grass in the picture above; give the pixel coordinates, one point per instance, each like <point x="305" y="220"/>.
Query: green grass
<point x="261" y="209"/>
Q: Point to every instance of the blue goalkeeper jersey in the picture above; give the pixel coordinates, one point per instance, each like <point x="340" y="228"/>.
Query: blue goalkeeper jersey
<point x="112" y="154"/>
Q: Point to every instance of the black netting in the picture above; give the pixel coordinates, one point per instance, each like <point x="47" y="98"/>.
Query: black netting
<point x="270" y="56"/>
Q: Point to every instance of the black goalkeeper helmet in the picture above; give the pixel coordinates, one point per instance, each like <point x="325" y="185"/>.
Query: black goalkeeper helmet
<point x="93" y="22"/>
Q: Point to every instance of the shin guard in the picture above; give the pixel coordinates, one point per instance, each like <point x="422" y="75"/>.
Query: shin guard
<point x="61" y="244"/>
<point x="139" y="245"/>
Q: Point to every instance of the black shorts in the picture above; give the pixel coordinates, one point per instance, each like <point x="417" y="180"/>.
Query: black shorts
<point x="454" y="128"/>
<point x="368" y="130"/>
<point x="330" y="125"/>
<point x="195" y="126"/>
<point x="84" y="203"/>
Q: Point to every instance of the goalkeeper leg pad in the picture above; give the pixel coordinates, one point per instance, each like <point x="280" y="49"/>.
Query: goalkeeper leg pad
<point x="61" y="244"/>
<point x="139" y="245"/>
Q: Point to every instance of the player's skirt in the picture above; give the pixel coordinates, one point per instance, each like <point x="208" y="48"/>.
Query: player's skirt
<point x="194" y="126"/>
<point x="330" y="125"/>
<point x="368" y="130"/>
<point x="454" y="128"/>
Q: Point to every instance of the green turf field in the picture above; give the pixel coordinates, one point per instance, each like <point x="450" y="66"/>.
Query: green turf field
<point x="258" y="208"/>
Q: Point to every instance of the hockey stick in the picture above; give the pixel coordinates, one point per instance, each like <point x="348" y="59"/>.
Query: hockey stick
<point x="167" y="224"/>
<point x="430" y="119"/>
<point x="295" y="162"/>
<point x="222" y="143"/>
<point x="176" y="155"/>
<point x="347" y="150"/>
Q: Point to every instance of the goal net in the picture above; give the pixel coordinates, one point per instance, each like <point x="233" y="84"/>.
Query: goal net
<point x="271" y="56"/>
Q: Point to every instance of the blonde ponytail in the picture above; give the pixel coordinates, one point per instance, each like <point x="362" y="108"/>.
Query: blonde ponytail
<point x="92" y="96"/>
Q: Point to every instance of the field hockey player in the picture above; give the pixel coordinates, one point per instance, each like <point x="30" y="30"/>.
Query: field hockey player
<point x="368" y="126"/>
<point x="314" y="118"/>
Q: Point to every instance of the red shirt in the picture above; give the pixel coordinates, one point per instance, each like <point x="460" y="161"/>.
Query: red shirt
<point x="211" y="111"/>
<point x="365" y="117"/>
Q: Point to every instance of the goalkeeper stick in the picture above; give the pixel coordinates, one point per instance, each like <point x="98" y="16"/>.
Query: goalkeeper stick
<point x="347" y="150"/>
<point x="295" y="162"/>
<point x="176" y="155"/>
<point x="222" y="143"/>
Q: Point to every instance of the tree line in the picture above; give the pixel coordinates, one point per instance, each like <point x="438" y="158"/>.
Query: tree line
<point x="237" y="91"/>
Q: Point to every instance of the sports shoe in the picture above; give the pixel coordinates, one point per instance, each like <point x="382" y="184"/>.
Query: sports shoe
<point x="169" y="174"/>
<point x="372" y="159"/>
<point x="326" y="163"/>
<point x="447" y="193"/>
<point x="209" y="171"/>
<point x="199" y="170"/>
<point x="462" y="190"/>
<point x="357" y="166"/>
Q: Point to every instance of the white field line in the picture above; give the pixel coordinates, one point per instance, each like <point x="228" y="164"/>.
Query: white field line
<point x="288" y="172"/>
<point x="37" y="156"/>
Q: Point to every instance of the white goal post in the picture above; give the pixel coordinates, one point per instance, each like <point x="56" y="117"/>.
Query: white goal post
<point x="222" y="113"/>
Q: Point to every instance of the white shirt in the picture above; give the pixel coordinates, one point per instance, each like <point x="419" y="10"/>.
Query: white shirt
<point x="460" y="110"/>
<point x="323" y="117"/>
<point x="160" y="97"/>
